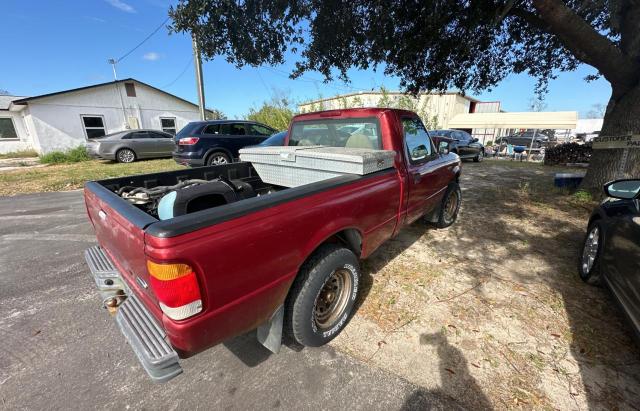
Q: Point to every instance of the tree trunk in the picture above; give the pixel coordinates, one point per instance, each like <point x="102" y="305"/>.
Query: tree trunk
<point x="622" y="117"/>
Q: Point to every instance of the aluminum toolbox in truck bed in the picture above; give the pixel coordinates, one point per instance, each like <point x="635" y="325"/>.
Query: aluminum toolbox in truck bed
<point x="296" y="166"/>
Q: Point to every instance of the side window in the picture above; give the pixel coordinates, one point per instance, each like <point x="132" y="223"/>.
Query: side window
<point x="258" y="130"/>
<point x="139" y="134"/>
<point x="211" y="129"/>
<point x="237" y="130"/>
<point x="417" y="140"/>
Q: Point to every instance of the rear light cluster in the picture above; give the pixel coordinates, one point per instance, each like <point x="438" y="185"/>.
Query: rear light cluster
<point x="176" y="287"/>
<point x="188" y="141"/>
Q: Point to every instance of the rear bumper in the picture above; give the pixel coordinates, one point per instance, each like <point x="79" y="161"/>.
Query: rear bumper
<point x="189" y="158"/>
<point x="146" y="337"/>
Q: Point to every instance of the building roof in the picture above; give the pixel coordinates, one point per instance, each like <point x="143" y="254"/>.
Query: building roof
<point x="5" y="101"/>
<point x="26" y="100"/>
<point x="538" y="120"/>
<point x="377" y="92"/>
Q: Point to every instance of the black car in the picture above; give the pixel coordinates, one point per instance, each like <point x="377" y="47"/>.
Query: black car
<point x="525" y="139"/>
<point x="275" y="140"/>
<point x="462" y="143"/>
<point x="611" y="249"/>
<point x="202" y="143"/>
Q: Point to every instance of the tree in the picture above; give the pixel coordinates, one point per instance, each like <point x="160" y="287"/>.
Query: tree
<point x="537" y="104"/>
<point x="435" y="45"/>
<point x="275" y="113"/>
<point x="215" y="114"/>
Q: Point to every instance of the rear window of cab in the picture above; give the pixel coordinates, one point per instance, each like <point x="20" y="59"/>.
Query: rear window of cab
<point x="348" y="132"/>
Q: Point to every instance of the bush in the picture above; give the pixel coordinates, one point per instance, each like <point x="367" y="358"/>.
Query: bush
<point x="488" y="143"/>
<point x="74" y="155"/>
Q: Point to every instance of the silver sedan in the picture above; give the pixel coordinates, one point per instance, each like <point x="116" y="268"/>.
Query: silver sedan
<point x="131" y="145"/>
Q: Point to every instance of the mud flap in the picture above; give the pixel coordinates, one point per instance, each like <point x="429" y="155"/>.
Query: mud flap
<point x="270" y="333"/>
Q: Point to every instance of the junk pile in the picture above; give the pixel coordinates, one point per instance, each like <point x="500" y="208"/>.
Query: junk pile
<point x="568" y="153"/>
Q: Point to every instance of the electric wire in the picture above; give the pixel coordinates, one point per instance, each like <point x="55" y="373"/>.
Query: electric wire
<point x="179" y="76"/>
<point x="143" y="41"/>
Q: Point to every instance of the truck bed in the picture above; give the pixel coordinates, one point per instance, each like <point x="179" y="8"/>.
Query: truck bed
<point x="106" y="191"/>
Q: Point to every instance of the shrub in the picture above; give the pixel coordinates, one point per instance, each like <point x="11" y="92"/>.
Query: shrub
<point x="74" y="155"/>
<point x="488" y="143"/>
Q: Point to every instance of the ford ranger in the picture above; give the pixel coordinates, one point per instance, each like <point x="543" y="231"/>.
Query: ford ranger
<point x="259" y="256"/>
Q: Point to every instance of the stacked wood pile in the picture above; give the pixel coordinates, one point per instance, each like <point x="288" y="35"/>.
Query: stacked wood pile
<point x="568" y="153"/>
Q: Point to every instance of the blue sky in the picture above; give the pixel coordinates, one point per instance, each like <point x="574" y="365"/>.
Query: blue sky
<point x="56" y="45"/>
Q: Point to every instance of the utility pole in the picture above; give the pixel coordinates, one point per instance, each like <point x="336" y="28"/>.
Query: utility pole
<point x="199" y="82"/>
<point x="113" y="65"/>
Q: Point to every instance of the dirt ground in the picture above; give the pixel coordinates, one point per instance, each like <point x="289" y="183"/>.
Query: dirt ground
<point x="491" y="311"/>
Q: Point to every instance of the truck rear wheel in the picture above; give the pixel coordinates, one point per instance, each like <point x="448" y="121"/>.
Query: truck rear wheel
<point x="323" y="295"/>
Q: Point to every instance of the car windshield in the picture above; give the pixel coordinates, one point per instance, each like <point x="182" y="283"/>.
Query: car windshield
<point x="351" y="132"/>
<point x="275" y="140"/>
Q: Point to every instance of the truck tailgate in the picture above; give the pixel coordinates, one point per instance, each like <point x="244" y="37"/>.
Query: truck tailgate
<point x="121" y="236"/>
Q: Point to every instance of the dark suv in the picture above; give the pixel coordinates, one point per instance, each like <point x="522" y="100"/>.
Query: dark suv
<point x="202" y="143"/>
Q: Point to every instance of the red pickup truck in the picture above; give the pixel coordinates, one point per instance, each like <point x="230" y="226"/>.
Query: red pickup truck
<point x="276" y="259"/>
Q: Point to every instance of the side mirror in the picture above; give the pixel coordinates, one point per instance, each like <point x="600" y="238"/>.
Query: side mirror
<point x="443" y="147"/>
<point x="474" y="140"/>
<point x="623" y="189"/>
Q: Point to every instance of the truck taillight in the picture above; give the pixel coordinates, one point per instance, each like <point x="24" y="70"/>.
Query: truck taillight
<point x="176" y="287"/>
<point x="188" y="141"/>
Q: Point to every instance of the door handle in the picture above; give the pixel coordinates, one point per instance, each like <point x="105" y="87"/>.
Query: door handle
<point x="417" y="177"/>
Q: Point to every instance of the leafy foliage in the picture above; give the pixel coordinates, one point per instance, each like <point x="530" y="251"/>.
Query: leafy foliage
<point x="429" y="45"/>
<point x="276" y="113"/>
<point x="74" y="155"/>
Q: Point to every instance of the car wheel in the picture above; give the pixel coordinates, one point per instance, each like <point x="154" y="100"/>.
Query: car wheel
<point x="125" y="155"/>
<point x="479" y="157"/>
<point x="218" y="158"/>
<point x="323" y="295"/>
<point x="589" y="259"/>
<point x="450" y="206"/>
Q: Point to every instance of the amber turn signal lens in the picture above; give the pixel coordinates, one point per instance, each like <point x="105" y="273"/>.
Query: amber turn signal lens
<point x="168" y="272"/>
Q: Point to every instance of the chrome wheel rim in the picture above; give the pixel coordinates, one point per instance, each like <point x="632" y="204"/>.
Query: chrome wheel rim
<point x="333" y="298"/>
<point x="480" y="156"/>
<point x="450" y="206"/>
<point x="219" y="159"/>
<point x="126" y="156"/>
<point x="590" y="251"/>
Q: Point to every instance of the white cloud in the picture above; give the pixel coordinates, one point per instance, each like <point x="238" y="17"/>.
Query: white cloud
<point x="151" y="56"/>
<point x="118" y="4"/>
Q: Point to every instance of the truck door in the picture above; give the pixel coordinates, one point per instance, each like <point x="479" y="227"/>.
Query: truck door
<point x="423" y="177"/>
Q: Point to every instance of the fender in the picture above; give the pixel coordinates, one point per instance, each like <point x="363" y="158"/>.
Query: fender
<point x="331" y="229"/>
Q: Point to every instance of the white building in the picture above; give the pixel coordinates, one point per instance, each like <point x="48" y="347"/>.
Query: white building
<point x="66" y="119"/>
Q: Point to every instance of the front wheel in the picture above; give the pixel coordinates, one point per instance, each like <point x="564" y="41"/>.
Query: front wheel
<point x="479" y="157"/>
<point x="125" y="155"/>
<point x="450" y="206"/>
<point x="589" y="260"/>
<point x="323" y="295"/>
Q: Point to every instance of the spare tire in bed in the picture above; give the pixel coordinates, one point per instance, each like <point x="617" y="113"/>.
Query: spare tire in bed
<point x="203" y="196"/>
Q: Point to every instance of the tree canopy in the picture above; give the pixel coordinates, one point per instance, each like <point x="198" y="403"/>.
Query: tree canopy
<point x="433" y="45"/>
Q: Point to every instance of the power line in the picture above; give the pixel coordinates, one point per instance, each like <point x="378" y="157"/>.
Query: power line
<point x="184" y="70"/>
<point x="143" y="41"/>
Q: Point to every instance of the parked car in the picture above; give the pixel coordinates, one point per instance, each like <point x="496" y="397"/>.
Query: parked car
<point x="524" y="138"/>
<point x="131" y="145"/>
<point x="202" y="143"/>
<point x="275" y="140"/>
<point x="462" y="143"/>
<point x="279" y="259"/>
<point x="611" y="250"/>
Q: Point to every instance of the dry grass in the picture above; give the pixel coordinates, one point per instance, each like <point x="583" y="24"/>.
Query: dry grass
<point x="19" y="154"/>
<point x="73" y="176"/>
<point x="491" y="311"/>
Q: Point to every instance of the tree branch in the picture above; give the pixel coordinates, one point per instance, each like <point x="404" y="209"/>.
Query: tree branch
<point x="587" y="44"/>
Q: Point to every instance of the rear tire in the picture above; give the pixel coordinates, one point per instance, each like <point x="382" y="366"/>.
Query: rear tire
<point x="589" y="258"/>
<point x="125" y="155"/>
<point x="321" y="300"/>
<point x="217" y="158"/>
<point x="450" y="206"/>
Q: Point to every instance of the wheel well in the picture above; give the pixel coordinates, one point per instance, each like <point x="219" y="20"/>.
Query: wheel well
<point x="594" y="218"/>
<point x="217" y="150"/>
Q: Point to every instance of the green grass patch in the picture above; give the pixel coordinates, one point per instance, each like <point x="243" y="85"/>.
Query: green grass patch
<point x="74" y="155"/>
<point x="19" y="154"/>
<point x="70" y="176"/>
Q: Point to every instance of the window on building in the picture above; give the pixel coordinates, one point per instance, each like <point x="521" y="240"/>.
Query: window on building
<point x="168" y="125"/>
<point x="131" y="89"/>
<point x="93" y="126"/>
<point x="7" y="128"/>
